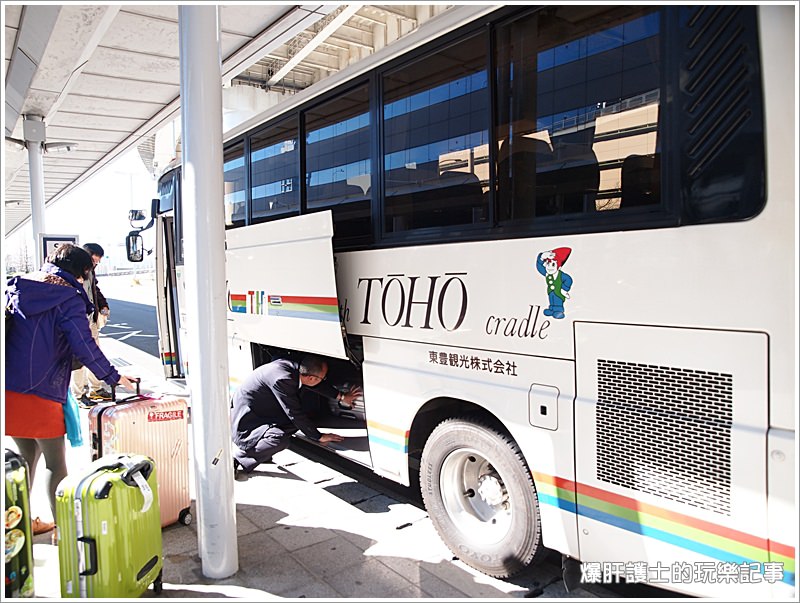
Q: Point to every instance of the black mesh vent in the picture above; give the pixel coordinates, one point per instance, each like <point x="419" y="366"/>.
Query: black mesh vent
<point x="720" y="91"/>
<point x="666" y="431"/>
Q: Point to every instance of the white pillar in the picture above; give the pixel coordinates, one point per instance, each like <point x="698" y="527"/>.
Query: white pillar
<point x="34" y="131"/>
<point x="204" y="247"/>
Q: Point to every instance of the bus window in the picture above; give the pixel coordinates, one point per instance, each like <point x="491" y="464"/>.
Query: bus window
<point x="169" y="200"/>
<point x="274" y="177"/>
<point x="578" y="123"/>
<point x="435" y="137"/>
<point x="234" y="199"/>
<point x="166" y="194"/>
<point x="338" y="166"/>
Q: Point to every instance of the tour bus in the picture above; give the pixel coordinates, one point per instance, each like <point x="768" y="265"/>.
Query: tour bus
<point x="556" y="245"/>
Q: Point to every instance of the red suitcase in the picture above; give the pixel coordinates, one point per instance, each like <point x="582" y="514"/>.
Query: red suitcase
<point x="155" y="427"/>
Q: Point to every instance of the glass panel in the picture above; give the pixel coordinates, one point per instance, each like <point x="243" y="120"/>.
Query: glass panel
<point x="169" y="199"/>
<point x="578" y="114"/>
<point x="234" y="195"/>
<point x="274" y="176"/>
<point x="435" y="140"/>
<point x="338" y="167"/>
<point x="166" y="192"/>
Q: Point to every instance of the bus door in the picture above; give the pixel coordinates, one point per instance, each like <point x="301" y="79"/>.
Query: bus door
<point x="282" y="285"/>
<point x="170" y="293"/>
<point x="671" y="443"/>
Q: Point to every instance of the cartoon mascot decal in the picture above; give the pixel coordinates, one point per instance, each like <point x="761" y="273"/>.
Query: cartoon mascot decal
<point x="549" y="264"/>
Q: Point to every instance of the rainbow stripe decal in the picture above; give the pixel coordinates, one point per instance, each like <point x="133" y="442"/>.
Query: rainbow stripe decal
<point x="296" y="306"/>
<point x="387" y="436"/>
<point x="238" y="303"/>
<point x="703" y="537"/>
<point x="168" y="358"/>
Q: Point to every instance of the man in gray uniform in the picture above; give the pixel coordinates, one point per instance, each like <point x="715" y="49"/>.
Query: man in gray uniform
<point x="267" y="409"/>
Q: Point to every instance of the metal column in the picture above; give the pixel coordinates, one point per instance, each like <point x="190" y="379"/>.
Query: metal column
<point x="34" y="132"/>
<point x="204" y="247"/>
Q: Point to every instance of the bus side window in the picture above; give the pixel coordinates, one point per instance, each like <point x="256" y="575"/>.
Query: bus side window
<point x="274" y="158"/>
<point x="641" y="180"/>
<point x="234" y="193"/>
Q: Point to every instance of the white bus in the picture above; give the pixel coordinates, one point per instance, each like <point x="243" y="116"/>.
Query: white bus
<point x="556" y="244"/>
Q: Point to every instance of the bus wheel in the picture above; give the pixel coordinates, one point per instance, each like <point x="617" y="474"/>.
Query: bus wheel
<point x="480" y="496"/>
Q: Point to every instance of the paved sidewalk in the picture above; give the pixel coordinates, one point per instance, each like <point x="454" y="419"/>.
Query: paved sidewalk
<point x="306" y="531"/>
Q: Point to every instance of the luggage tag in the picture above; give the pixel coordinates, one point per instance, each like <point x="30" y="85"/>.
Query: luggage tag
<point x="141" y="482"/>
<point x="147" y="492"/>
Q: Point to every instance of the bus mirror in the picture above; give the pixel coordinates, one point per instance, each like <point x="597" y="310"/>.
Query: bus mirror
<point x="135" y="247"/>
<point x="136" y="215"/>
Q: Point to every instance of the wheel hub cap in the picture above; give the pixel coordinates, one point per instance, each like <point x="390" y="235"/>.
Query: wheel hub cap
<point x="491" y="490"/>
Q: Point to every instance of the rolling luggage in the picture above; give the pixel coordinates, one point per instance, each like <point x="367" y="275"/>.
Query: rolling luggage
<point x="19" y="543"/>
<point x="109" y="529"/>
<point x="158" y="428"/>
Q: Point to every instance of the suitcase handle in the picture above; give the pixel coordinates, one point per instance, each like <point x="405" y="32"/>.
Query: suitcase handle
<point x="127" y="476"/>
<point x="14" y="461"/>
<point x="92" y="569"/>
<point x="136" y="380"/>
<point x="116" y="462"/>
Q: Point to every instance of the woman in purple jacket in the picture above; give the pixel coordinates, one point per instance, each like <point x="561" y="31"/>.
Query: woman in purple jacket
<point x="46" y="329"/>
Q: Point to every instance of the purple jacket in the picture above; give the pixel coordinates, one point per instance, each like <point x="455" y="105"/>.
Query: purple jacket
<point x="49" y="327"/>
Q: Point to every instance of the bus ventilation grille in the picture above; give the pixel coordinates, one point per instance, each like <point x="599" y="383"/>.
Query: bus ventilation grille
<point x="666" y="431"/>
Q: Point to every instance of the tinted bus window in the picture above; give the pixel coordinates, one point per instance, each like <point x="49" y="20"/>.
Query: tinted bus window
<point x="338" y="165"/>
<point x="274" y="176"/>
<point x="234" y="195"/>
<point x="436" y="139"/>
<point x="166" y="193"/>
<point x="169" y="199"/>
<point x="578" y="115"/>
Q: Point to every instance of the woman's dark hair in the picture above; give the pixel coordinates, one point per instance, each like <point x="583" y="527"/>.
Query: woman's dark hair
<point x="94" y="249"/>
<point x="72" y="259"/>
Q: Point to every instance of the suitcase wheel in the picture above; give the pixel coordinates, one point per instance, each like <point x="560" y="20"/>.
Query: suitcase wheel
<point x="158" y="586"/>
<point x="185" y="517"/>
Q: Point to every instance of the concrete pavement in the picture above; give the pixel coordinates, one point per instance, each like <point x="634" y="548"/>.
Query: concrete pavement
<point x="306" y="531"/>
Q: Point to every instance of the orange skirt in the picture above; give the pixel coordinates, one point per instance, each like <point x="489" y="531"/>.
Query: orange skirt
<point x="29" y="416"/>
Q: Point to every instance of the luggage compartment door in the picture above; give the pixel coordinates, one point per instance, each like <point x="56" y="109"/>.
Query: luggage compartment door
<point x="671" y="443"/>
<point x="282" y="285"/>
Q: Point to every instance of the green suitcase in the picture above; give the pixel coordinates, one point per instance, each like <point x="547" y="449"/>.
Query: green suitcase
<point x="19" y="543"/>
<point x="109" y="529"/>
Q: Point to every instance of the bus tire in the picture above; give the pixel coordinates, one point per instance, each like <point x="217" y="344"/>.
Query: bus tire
<point x="480" y="496"/>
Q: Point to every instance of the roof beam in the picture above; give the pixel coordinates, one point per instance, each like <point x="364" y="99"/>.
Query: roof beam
<point x="347" y="12"/>
<point x="36" y="24"/>
<point x="295" y="21"/>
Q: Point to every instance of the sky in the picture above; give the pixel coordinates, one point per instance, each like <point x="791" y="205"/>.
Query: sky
<point x="97" y="210"/>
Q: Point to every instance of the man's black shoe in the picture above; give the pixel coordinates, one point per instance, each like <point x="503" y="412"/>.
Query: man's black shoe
<point x="239" y="474"/>
<point x="86" y="402"/>
<point x="101" y="395"/>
